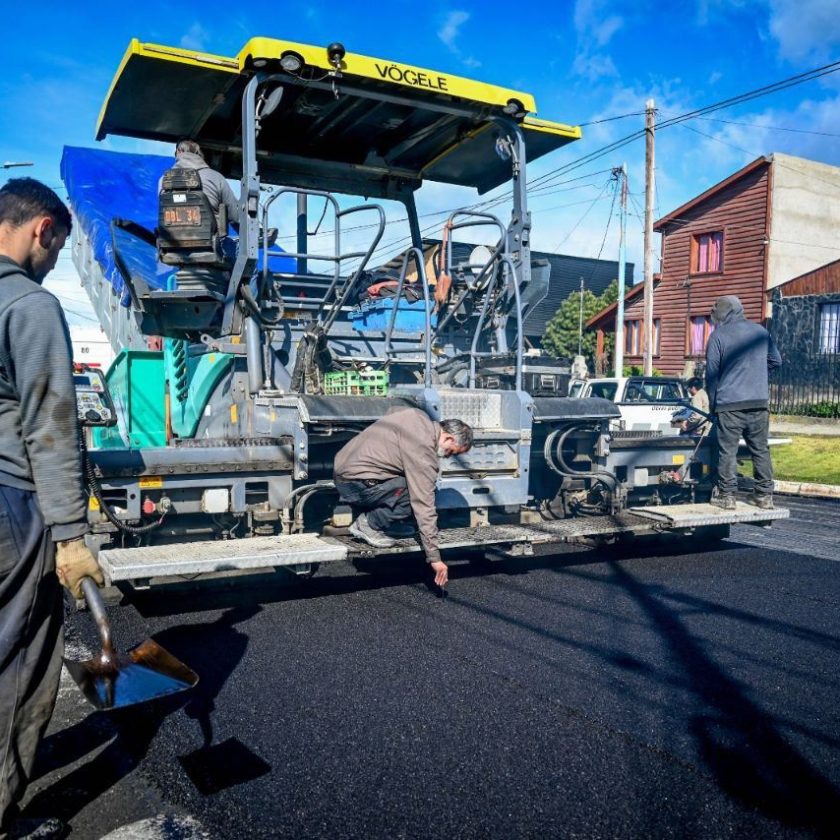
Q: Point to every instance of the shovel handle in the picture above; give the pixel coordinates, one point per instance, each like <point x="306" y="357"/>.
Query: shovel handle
<point x="97" y="609"/>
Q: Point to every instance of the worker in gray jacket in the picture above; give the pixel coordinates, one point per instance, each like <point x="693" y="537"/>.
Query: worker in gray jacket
<point x="390" y="470"/>
<point x="42" y="501"/>
<point x="739" y="356"/>
<point x="214" y="185"/>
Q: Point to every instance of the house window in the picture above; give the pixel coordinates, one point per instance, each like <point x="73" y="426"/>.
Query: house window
<point x="830" y="328"/>
<point x="707" y="252"/>
<point x="699" y="329"/>
<point x="632" y="338"/>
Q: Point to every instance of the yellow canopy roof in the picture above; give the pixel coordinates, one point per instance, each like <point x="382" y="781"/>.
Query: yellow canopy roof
<point x="375" y="122"/>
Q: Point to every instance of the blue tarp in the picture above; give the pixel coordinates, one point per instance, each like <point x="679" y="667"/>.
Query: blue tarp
<point x="104" y="185"/>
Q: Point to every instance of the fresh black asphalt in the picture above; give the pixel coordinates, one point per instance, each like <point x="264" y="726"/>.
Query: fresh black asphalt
<point x="584" y="694"/>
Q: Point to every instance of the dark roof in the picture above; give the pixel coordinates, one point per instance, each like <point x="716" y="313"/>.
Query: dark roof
<point x="564" y="279"/>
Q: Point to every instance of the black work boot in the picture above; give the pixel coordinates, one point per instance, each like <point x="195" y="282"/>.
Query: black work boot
<point x="362" y="529"/>
<point x="725" y="501"/>
<point x="761" y="500"/>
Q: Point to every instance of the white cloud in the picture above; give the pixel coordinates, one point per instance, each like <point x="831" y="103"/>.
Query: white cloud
<point x="594" y="67"/>
<point x="195" y="37"/>
<point x="805" y="28"/>
<point x="450" y="32"/>
<point x="451" y="29"/>
<point x="595" y="28"/>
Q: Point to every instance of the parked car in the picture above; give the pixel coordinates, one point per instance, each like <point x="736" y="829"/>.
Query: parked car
<point x="646" y="403"/>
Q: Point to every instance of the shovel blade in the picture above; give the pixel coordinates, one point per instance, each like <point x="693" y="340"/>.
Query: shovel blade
<point x="147" y="672"/>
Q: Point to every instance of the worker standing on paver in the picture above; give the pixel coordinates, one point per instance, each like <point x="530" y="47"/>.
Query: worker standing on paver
<point x="42" y="501"/>
<point x="739" y="356"/>
<point x="389" y="471"/>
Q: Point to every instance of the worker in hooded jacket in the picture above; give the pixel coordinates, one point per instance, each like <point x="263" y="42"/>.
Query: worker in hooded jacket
<point x="739" y="356"/>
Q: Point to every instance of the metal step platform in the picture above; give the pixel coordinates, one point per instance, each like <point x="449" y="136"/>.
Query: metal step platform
<point x="131" y="564"/>
<point x="698" y="515"/>
<point x="486" y="535"/>
<point x="262" y="553"/>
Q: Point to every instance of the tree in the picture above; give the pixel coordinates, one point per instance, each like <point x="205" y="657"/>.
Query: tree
<point x="561" y="332"/>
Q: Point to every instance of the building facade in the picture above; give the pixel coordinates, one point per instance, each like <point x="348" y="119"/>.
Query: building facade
<point x="769" y="222"/>
<point x="806" y="328"/>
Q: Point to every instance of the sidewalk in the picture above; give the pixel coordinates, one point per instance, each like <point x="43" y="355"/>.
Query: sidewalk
<point x="807" y="489"/>
<point x="782" y="425"/>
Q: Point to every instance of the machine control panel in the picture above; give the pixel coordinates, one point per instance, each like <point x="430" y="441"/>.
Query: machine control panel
<point x="94" y="406"/>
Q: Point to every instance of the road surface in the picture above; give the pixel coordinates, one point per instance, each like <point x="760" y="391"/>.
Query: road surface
<point x="686" y="693"/>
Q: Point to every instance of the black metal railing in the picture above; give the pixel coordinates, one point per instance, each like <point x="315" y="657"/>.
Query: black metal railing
<point x="810" y="386"/>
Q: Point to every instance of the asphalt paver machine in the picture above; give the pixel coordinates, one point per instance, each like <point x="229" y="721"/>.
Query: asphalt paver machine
<point x="243" y="366"/>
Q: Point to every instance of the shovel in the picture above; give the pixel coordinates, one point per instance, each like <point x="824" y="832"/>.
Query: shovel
<point x="112" y="680"/>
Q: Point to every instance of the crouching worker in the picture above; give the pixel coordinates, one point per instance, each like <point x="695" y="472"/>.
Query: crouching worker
<point x="389" y="471"/>
<point x="43" y="509"/>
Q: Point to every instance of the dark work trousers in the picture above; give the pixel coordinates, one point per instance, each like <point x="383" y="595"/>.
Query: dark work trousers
<point x="385" y="502"/>
<point x="753" y="425"/>
<point x="31" y="639"/>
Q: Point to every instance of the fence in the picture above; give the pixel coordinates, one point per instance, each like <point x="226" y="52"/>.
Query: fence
<point x="809" y="385"/>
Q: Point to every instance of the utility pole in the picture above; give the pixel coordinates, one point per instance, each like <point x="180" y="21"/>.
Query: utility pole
<point x="580" y="321"/>
<point x="650" y="116"/>
<point x="622" y="236"/>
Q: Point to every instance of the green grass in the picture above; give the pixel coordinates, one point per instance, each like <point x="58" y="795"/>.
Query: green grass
<point x="806" y="458"/>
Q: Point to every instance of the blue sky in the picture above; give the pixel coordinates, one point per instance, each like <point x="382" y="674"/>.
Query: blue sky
<point x="583" y="61"/>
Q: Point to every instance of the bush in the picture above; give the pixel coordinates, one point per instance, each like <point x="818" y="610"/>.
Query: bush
<point x="822" y="409"/>
<point x="635" y="370"/>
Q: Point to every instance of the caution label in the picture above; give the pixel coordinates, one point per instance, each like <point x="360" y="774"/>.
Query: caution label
<point x="151" y="482"/>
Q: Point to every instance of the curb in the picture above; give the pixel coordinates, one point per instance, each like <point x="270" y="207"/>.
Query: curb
<point x="811" y="491"/>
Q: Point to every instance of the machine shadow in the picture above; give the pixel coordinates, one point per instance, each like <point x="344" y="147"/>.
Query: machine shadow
<point x="214" y="650"/>
<point x="741" y="744"/>
<point x="366" y="574"/>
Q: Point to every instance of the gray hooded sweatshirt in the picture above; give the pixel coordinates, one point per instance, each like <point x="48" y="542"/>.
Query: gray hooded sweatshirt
<point x="739" y="356"/>
<point x="39" y="432"/>
<point x="214" y="185"/>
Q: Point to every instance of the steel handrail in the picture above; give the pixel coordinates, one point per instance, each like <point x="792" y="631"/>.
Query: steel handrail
<point x="351" y="282"/>
<point x="421" y="271"/>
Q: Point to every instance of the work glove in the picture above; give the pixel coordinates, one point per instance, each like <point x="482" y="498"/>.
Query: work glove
<point x="74" y="561"/>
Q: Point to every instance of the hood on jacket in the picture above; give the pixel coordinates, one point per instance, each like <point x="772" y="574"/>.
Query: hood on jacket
<point x="727" y="309"/>
<point x="190" y="160"/>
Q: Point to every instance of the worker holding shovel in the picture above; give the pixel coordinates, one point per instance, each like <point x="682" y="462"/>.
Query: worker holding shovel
<point x="42" y="501"/>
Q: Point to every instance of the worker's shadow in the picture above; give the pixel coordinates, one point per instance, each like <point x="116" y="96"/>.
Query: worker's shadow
<point x="212" y="651"/>
<point x="747" y="749"/>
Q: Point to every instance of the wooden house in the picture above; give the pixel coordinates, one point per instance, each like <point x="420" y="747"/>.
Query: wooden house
<point x="772" y="220"/>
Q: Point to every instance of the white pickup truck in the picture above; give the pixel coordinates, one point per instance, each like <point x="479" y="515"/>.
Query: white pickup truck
<point x="646" y="403"/>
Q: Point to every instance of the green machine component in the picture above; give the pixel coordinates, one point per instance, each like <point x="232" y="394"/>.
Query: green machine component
<point x="192" y="380"/>
<point x="137" y="384"/>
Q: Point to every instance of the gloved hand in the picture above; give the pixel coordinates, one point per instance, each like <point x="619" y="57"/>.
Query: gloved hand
<point x="74" y="561"/>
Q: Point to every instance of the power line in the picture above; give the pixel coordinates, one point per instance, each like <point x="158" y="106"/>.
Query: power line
<point x="765" y="90"/>
<point x="580" y="220"/>
<point x="610" y="119"/>
<point x="770" y="127"/>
